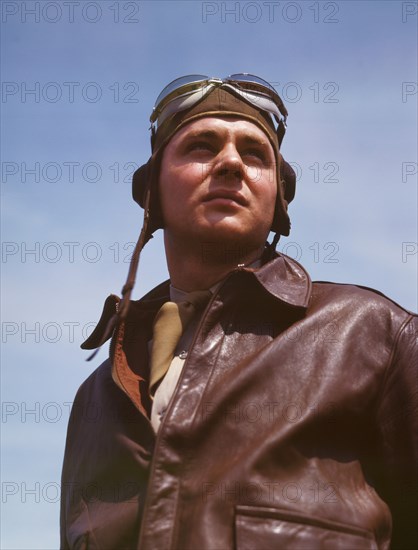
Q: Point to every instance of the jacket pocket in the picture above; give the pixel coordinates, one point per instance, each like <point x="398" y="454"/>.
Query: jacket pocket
<point x="258" y="528"/>
<point x="79" y="531"/>
<point x="82" y="543"/>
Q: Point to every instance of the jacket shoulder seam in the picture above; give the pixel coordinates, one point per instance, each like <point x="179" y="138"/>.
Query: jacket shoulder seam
<point x="370" y="289"/>
<point x="389" y="364"/>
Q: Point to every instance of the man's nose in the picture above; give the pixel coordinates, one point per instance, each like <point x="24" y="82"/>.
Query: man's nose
<point x="229" y="162"/>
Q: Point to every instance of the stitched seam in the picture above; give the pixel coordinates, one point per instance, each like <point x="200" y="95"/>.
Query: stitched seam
<point x="388" y="367"/>
<point x="176" y="527"/>
<point x="286" y="516"/>
<point x="210" y="377"/>
<point x="91" y="532"/>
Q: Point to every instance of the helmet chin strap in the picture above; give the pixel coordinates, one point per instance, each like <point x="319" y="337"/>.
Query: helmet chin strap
<point x="273" y="244"/>
<point x="122" y="308"/>
<point x="133" y="266"/>
<point x="144" y="236"/>
<point x="270" y="248"/>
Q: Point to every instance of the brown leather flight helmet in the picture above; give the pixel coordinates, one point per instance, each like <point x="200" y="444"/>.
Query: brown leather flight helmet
<point x="222" y="101"/>
<point x="217" y="103"/>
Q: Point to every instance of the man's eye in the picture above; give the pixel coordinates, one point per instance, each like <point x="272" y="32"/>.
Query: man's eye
<point x="255" y="153"/>
<point x="200" y="146"/>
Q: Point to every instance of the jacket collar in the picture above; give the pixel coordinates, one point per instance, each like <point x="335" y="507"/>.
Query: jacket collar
<point x="286" y="280"/>
<point x="283" y="278"/>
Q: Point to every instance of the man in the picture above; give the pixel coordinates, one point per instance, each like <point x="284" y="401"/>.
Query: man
<point x="283" y="415"/>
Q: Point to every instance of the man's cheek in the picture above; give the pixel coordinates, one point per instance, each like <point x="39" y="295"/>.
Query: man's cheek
<point x="254" y="174"/>
<point x="200" y="170"/>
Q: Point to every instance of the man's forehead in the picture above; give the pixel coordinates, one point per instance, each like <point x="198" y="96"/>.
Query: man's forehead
<point x="214" y="126"/>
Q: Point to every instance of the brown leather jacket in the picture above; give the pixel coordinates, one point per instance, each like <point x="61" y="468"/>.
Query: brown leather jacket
<point x="292" y="425"/>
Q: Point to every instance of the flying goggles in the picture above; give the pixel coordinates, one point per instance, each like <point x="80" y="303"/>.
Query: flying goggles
<point x="186" y="91"/>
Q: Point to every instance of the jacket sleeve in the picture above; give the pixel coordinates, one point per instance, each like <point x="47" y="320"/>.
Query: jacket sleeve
<point x="64" y="495"/>
<point x="73" y="519"/>
<point x="397" y="424"/>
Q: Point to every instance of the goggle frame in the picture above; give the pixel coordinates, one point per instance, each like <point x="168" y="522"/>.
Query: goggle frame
<point x="186" y="91"/>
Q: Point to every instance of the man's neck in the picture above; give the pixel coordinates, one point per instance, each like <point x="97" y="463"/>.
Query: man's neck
<point x="198" y="271"/>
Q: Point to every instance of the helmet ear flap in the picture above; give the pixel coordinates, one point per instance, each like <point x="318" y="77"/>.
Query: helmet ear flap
<point x="140" y="182"/>
<point x="281" y="221"/>
<point x="288" y="177"/>
<point x="285" y="193"/>
<point x="145" y="179"/>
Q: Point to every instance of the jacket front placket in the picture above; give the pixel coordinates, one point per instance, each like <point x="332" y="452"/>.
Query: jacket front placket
<point x="173" y="445"/>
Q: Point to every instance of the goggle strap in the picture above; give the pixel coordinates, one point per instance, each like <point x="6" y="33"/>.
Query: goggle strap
<point x="189" y="99"/>
<point x="181" y="103"/>
<point x="262" y="103"/>
<point x="281" y="130"/>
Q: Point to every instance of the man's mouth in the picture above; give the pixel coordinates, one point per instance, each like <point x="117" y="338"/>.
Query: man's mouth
<point x="226" y="195"/>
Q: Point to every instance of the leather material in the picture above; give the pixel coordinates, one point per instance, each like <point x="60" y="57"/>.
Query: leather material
<point x="219" y="102"/>
<point x="293" y="425"/>
<point x="270" y="529"/>
<point x="109" y="309"/>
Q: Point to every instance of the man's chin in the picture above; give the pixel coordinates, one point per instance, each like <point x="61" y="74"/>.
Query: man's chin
<point x="223" y="231"/>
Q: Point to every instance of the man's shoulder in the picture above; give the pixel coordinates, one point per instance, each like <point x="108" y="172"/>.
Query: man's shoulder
<point x="99" y="379"/>
<point x="352" y="305"/>
<point x="138" y="310"/>
<point x="353" y="294"/>
<point x="98" y="393"/>
<point x="288" y="274"/>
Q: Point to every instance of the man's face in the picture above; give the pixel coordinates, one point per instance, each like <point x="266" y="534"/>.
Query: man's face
<point x="218" y="183"/>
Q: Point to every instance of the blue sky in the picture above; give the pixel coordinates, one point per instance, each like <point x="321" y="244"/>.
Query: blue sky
<point x="347" y="72"/>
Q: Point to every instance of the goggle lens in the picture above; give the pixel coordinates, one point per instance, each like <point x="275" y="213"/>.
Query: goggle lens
<point x="184" y="92"/>
<point x="248" y="79"/>
<point x="177" y="84"/>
